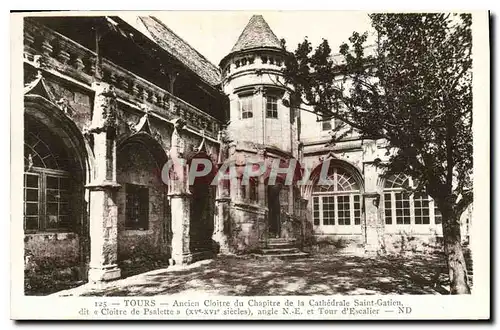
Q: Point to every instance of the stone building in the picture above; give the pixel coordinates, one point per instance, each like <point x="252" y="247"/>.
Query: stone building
<point x="108" y="101"/>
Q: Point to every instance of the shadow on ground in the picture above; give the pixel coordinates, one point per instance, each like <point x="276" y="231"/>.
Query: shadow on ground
<point x="319" y="275"/>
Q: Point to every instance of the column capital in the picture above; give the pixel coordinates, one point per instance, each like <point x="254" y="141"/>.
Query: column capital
<point x="104" y="112"/>
<point x="371" y="194"/>
<point x="103" y="185"/>
<point x="184" y="194"/>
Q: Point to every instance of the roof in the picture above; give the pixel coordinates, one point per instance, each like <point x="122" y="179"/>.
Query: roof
<point x="257" y="34"/>
<point x="158" y="32"/>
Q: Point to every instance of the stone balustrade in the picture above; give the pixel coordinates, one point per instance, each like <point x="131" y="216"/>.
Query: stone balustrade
<point x="78" y="62"/>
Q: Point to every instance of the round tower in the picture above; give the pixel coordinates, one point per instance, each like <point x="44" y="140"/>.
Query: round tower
<point x="253" y="81"/>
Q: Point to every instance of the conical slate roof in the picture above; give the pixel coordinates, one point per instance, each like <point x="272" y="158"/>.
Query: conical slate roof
<point x="257" y="34"/>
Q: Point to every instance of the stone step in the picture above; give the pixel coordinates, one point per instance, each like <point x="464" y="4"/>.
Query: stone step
<point x="281" y="239"/>
<point x="282" y="256"/>
<point x="280" y="245"/>
<point x="279" y="251"/>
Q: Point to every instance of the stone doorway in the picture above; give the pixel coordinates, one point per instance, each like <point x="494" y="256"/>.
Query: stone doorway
<point x="274" y="215"/>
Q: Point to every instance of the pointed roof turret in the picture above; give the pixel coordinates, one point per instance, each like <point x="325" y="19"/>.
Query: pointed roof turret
<point x="257" y="34"/>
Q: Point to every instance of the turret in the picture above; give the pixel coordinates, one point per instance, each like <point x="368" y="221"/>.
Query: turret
<point x="253" y="81"/>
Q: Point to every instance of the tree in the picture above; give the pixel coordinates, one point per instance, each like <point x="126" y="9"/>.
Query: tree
<point x="413" y="89"/>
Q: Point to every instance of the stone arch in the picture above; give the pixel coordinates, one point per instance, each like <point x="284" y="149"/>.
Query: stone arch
<point x="334" y="163"/>
<point x="336" y="203"/>
<point x="47" y="113"/>
<point x="144" y="226"/>
<point x="60" y="197"/>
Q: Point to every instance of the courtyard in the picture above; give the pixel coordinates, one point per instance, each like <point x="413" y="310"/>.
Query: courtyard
<point x="316" y="275"/>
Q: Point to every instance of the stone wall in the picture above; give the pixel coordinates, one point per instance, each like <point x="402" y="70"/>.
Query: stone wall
<point x="336" y="244"/>
<point x="50" y="258"/>
<point x="136" y="165"/>
<point x="247" y="227"/>
<point x="51" y="250"/>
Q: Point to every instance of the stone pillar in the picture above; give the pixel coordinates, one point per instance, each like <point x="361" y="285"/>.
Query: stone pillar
<point x="373" y="226"/>
<point x="180" y="206"/>
<point x="180" y="198"/>
<point x="102" y="189"/>
<point x="222" y="219"/>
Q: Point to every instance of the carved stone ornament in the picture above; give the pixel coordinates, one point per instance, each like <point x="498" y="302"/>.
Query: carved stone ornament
<point x="329" y="155"/>
<point x="142" y="126"/>
<point x="201" y="147"/>
<point x="104" y="115"/>
<point x="63" y="104"/>
<point x="178" y="145"/>
<point x="39" y="87"/>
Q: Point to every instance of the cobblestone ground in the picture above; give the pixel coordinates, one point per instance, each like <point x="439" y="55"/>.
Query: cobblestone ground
<point x="317" y="275"/>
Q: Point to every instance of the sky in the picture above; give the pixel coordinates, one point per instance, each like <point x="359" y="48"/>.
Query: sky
<point x="213" y="33"/>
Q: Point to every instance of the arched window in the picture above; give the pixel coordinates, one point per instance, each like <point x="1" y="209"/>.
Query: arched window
<point x="338" y="202"/>
<point x="403" y="207"/>
<point x="47" y="181"/>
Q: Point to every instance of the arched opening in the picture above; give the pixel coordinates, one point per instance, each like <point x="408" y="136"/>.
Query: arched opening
<point x="143" y="210"/>
<point x="404" y="208"/>
<point x="53" y="181"/>
<point x="336" y="200"/>
<point x="57" y="166"/>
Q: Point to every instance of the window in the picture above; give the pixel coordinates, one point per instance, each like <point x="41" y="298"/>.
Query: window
<point x="328" y="206"/>
<point x="422" y="214"/>
<point x="337" y="203"/>
<point x="57" y="202"/>
<point x="316" y="216"/>
<point x="31" y="201"/>
<point x="246" y="107"/>
<point x="272" y="107"/>
<point x="253" y="189"/>
<point x="46" y="201"/>
<point x="403" y="207"/>
<point x="136" y="207"/>
<point x="326" y="125"/>
<point x="46" y="186"/>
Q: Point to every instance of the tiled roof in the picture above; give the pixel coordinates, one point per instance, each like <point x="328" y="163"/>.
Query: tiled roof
<point x="257" y="34"/>
<point x="154" y="29"/>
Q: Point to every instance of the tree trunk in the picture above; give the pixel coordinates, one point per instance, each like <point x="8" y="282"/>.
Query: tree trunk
<point x="457" y="268"/>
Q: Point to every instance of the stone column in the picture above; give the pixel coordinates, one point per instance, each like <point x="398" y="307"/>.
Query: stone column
<point x="222" y="216"/>
<point x="180" y="206"/>
<point x="262" y="193"/>
<point x="373" y="227"/>
<point x="102" y="189"/>
<point x="180" y="198"/>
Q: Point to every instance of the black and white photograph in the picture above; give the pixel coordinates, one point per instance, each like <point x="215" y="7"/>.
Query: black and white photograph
<point x="251" y="165"/>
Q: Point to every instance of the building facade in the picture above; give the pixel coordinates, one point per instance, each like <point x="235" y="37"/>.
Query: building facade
<point x="108" y="101"/>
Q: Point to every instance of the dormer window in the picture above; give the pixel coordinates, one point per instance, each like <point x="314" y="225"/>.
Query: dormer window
<point x="246" y="110"/>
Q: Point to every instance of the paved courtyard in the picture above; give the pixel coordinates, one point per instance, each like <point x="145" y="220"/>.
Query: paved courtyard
<point x="317" y="275"/>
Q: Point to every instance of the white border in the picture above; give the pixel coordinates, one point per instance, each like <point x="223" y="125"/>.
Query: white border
<point x="482" y="122"/>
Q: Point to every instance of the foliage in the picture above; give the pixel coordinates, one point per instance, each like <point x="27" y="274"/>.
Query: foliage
<point x="413" y="89"/>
